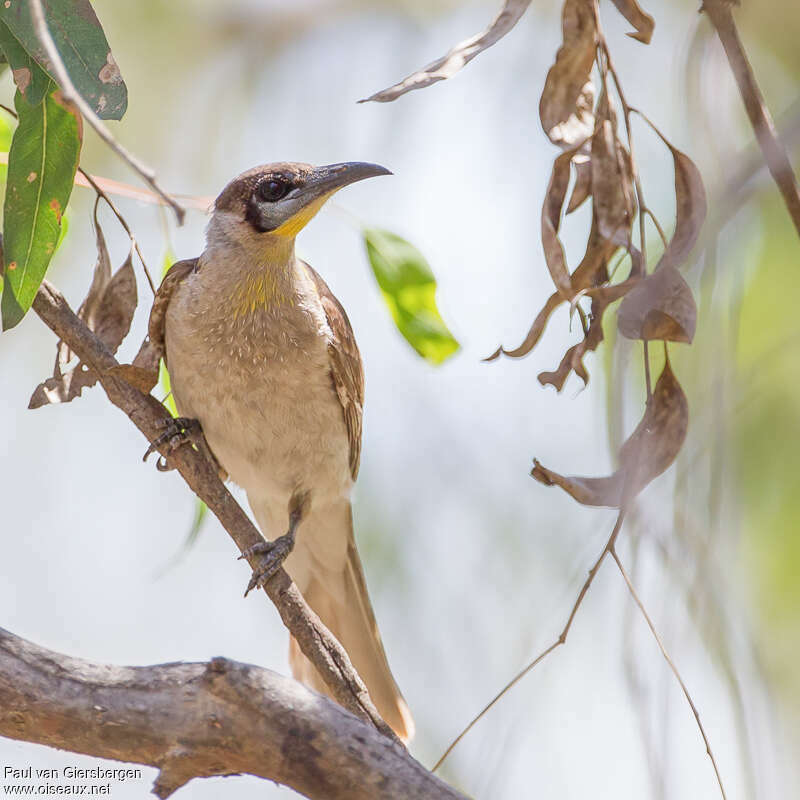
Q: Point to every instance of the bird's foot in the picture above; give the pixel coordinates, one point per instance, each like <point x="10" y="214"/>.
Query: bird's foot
<point x="178" y="431"/>
<point x="271" y="558"/>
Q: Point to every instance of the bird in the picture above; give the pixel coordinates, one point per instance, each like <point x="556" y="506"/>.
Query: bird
<point x="262" y="358"/>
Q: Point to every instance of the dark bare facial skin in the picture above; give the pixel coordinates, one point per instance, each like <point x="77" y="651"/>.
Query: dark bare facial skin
<point x="271" y="195"/>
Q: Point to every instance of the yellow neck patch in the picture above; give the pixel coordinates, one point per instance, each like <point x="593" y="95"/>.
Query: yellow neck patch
<point x="262" y="290"/>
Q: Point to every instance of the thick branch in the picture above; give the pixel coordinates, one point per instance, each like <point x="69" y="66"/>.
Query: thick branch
<point x="721" y="16"/>
<point x="150" y="417"/>
<point x="198" y="720"/>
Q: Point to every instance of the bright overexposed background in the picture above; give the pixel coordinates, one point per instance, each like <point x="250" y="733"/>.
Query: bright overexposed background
<point x="472" y="566"/>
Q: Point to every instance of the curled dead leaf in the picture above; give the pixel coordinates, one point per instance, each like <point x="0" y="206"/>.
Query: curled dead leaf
<point x="661" y="306"/>
<point x="641" y="21"/>
<point x="691" y="205"/>
<point x="690" y="209"/>
<point x="458" y="57"/>
<point x="648" y="452"/>
<point x="612" y="177"/>
<point x="108" y="311"/>
<point x="551" y="220"/>
<point x="565" y="107"/>
<point x="591" y="272"/>
<point x="582" y="190"/>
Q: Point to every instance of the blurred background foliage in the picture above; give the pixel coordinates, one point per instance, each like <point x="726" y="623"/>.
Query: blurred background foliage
<point x="473" y="566"/>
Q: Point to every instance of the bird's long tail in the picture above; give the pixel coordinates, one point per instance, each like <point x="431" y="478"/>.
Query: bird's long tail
<point x="338" y="594"/>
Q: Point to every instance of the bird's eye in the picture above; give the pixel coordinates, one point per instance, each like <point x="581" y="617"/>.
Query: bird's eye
<point x="273" y="189"/>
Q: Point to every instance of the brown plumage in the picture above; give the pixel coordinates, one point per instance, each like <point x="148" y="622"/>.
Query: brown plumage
<point x="262" y="353"/>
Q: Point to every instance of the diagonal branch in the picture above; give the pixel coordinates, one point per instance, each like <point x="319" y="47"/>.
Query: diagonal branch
<point x="71" y="94"/>
<point x="199" y="720"/>
<point x="721" y="16"/>
<point x="315" y="640"/>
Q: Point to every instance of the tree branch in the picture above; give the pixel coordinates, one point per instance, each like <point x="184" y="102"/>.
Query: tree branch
<point x="721" y="16"/>
<point x="203" y="719"/>
<point x="150" y="417"/>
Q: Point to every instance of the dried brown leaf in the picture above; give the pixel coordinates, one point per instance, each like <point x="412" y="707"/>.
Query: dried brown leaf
<point x="535" y="332"/>
<point x="143" y="372"/>
<point x="648" y="452"/>
<point x="458" y="56"/>
<point x="691" y="205"/>
<point x="139" y="378"/>
<point x="690" y="209"/>
<point x="612" y="178"/>
<point x="582" y="190"/>
<point x="565" y="108"/>
<point x="660" y="307"/>
<point x="108" y="311"/>
<point x="573" y="358"/>
<point x="551" y="221"/>
<point x="115" y="314"/>
<point x="592" y="271"/>
<point x="641" y="21"/>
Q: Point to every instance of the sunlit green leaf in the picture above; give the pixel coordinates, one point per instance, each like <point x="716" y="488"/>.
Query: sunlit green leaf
<point x="409" y="289"/>
<point x="41" y="170"/>
<point x="83" y="47"/>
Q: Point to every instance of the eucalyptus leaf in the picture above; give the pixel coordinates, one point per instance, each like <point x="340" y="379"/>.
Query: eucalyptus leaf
<point x="83" y="48"/>
<point x="41" y="169"/>
<point x="409" y="290"/>
<point x="31" y="79"/>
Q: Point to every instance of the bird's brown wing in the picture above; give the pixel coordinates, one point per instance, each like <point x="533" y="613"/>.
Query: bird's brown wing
<point x="158" y="314"/>
<point x="347" y="371"/>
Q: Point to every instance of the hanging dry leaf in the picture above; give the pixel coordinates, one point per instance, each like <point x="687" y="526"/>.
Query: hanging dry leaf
<point x="592" y="271"/>
<point x="690" y="210"/>
<point x="612" y="179"/>
<point x="142" y="374"/>
<point x="642" y="22"/>
<point x="108" y="311"/>
<point x="551" y="221"/>
<point x="535" y="332"/>
<point x="565" y="108"/>
<point x="582" y="190"/>
<point x="660" y="307"/>
<point x="458" y="57"/>
<point x="649" y="451"/>
<point x="691" y="205"/>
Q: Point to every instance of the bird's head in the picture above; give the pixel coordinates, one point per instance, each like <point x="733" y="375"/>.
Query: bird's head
<point x="276" y="201"/>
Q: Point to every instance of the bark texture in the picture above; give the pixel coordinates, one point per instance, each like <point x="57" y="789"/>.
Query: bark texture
<point x="197" y="720"/>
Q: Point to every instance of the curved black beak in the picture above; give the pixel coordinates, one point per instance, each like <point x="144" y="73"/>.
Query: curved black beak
<point x="328" y="179"/>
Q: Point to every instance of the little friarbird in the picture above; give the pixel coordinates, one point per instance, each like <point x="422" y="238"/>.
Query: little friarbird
<point x="262" y="355"/>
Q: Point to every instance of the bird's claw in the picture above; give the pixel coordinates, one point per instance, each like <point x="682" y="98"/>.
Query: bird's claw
<point x="271" y="558"/>
<point x="177" y="432"/>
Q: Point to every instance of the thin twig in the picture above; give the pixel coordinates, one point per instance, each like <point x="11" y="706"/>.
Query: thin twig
<point x="100" y="193"/>
<point x="672" y="666"/>
<point x="562" y="637"/>
<point x="655" y="222"/>
<point x="721" y="16"/>
<point x="647" y="379"/>
<point x="71" y="94"/>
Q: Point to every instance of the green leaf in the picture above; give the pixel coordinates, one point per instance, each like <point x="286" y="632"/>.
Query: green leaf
<point x="83" y="47"/>
<point x="409" y="290"/>
<point x="41" y="170"/>
<point x="31" y="79"/>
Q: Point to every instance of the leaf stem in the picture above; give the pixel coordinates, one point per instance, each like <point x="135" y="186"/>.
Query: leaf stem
<point x="71" y="94"/>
